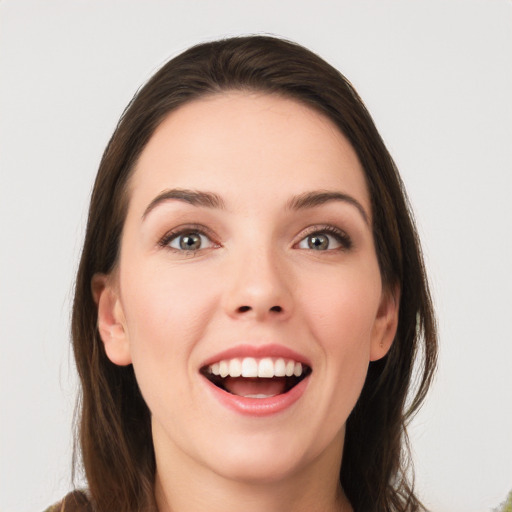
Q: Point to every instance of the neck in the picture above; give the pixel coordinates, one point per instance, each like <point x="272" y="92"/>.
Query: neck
<point x="181" y="486"/>
<point x="235" y="496"/>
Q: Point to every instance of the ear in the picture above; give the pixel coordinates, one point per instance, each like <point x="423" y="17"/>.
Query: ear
<point x="111" y="320"/>
<point x="386" y="323"/>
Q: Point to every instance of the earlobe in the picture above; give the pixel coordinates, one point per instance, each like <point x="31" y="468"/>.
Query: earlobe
<point x="111" y="320"/>
<point x="386" y="324"/>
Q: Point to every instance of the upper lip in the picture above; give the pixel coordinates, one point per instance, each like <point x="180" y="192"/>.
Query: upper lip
<point x="257" y="352"/>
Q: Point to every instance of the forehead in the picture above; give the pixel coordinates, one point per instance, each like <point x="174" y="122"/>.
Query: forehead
<point x="234" y="142"/>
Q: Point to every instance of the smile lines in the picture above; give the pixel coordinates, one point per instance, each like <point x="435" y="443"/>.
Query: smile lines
<point x="251" y="367"/>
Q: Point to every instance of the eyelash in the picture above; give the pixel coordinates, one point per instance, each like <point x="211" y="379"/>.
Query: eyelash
<point x="341" y="237"/>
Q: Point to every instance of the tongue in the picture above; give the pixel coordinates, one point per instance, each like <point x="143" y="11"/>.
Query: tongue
<point x="255" y="388"/>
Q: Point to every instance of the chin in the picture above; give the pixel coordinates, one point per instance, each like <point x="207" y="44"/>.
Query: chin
<point x="267" y="459"/>
<point x="260" y="472"/>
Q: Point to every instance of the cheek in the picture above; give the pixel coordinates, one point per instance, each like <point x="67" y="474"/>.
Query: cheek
<point x="344" y="309"/>
<point x="167" y="310"/>
<point x="341" y="315"/>
<point x="166" y="313"/>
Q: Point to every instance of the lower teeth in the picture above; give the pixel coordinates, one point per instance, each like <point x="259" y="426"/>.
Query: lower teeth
<point x="258" y="396"/>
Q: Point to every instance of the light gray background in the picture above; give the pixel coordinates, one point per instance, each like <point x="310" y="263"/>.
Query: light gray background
<point x="437" y="77"/>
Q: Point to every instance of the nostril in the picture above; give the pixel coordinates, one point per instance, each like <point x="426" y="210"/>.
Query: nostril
<point x="273" y="309"/>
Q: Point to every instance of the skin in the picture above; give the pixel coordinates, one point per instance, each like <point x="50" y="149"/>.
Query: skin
<point x="255" y="280"/>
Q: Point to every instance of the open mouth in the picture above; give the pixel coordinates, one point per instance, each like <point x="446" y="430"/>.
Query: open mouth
<point x="256" y="378"/>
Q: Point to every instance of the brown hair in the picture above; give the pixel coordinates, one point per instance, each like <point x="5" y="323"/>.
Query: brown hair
<point x="114" y="421"/>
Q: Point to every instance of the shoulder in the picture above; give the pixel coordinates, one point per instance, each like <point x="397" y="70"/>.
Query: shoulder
<point x="76" y="501"/>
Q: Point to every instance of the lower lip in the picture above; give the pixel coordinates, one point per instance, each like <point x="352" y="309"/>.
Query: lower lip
<point x="258" y="406"/>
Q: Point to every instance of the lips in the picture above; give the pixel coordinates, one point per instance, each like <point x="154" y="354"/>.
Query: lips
<point x="257" y="379"/>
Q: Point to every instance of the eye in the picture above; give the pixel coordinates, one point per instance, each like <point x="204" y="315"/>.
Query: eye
<point x="325" y="239"/>
<point x="187" y="241"/>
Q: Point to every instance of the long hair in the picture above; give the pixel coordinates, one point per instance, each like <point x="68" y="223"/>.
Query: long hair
<point x="114" y="431"/>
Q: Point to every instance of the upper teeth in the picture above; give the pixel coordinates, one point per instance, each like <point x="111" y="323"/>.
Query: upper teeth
<point x="250" y="367"/>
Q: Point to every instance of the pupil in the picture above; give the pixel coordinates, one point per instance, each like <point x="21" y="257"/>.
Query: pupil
<point x="191" y="241"/>
<point x="318" y="242"/>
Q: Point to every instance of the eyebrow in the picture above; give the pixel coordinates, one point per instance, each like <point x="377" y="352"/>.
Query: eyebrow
<point x="193" y="197"/>
<point x="320" y="197"/>
<point x="211" y="200"/>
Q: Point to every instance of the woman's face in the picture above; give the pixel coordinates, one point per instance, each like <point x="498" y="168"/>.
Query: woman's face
<point x="247" y="248"/>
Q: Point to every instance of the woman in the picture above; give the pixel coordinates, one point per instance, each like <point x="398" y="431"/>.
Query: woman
<point x="251" y="297"/>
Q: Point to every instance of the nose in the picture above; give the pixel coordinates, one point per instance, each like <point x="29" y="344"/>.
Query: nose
<point x="259" y="288"/>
